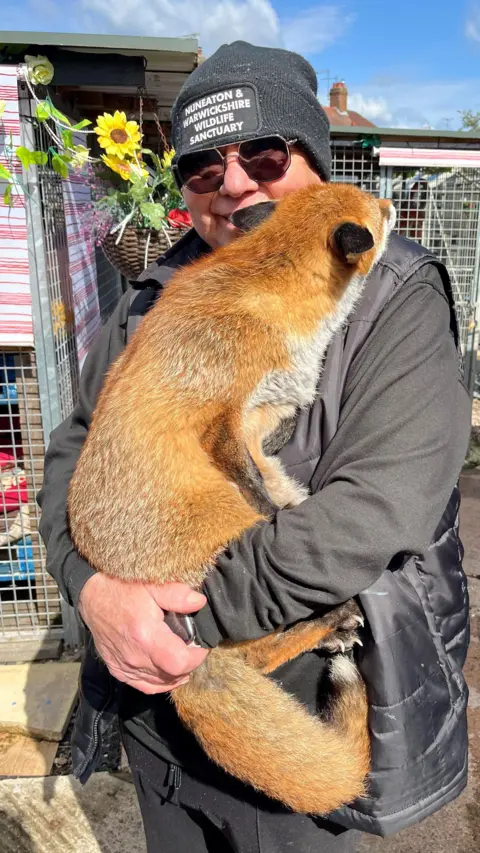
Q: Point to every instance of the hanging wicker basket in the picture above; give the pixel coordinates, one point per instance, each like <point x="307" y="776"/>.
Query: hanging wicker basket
<point x="130" y="254"/>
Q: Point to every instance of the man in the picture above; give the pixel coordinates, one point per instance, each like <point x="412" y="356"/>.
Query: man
<point x="380" y="449"/>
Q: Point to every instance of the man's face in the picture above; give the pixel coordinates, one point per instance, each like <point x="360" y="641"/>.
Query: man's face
<point x="210" y="212"/>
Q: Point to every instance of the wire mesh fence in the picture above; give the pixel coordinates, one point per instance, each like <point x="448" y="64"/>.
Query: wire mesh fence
<point x="439" y="208"/>
<point x="58" y="279"/>
<point x="78" y="289"/>
<point x="354" y="165"/>
<point x="29" y="598"/>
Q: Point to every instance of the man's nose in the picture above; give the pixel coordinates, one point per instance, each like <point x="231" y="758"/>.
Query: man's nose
<point x="235" y="180"/>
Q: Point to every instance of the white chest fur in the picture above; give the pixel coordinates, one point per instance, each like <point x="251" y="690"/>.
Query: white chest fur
<point x="297" y="386"/>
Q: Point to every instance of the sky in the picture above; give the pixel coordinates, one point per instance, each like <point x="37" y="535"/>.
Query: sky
<point x="406" y="63"/>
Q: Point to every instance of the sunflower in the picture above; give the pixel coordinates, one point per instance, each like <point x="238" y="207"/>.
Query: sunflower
<point x="117" y="135"/>
<point x="121" y="167"/>
<point x="128" y="171"/>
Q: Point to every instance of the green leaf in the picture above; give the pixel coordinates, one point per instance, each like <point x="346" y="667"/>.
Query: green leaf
<point x="153" y="213"/>
<point x="139" y="190"/>
<point x="67" y="138"/>
<point x="156" y="160"/>
<point x="58" y="115"/>
<point x="43" y="111"/>
<point x="40" y="158"/>
<point x="81" y="124"/>
<point x="5" y="174"/>
<point x="59" y="166"/>
<point x="7" y="195"/>
<point x="25" y="156"/>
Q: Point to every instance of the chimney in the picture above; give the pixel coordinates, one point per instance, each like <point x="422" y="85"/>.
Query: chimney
<point x="338" y="96"/>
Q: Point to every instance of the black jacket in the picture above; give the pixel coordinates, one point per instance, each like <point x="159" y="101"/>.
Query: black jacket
<point x="381" y="450"/>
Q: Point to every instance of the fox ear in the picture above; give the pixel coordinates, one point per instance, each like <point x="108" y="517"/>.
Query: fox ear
<point x="349" y="241"/>
<point x="248" y="218"/>
<point x="388" y="211"/>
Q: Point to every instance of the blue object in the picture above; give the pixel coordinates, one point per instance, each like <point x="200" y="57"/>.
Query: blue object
<point x="8" y="388"/>
<point x="21" y="568"/>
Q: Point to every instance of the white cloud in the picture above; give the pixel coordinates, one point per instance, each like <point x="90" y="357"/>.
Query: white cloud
<point x="216" y="22"/>
<point x="406" y="103"/>
<point x="315" y="29"/>
<point x="375" y="109"/>
<point x="220" y="21"/>
<point x="472" y="25"/>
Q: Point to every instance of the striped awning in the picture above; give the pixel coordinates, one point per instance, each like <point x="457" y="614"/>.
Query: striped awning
<point x="435" y="157"/>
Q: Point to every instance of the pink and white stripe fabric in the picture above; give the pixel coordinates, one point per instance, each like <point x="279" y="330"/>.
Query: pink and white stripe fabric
<point x="16" y="328"/>
<point x="81" y="253"/>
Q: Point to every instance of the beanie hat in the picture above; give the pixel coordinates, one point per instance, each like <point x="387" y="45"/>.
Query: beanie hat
<point x="243" y="92"/>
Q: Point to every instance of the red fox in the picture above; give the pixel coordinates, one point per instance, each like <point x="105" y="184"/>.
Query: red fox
<point x="174" y="469"/>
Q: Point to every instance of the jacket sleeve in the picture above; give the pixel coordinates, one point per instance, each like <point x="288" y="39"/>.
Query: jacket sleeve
<point x="63" y="562"/>
<point x="387" y="476"/>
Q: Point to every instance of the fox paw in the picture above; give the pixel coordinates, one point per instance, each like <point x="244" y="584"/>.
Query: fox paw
<point x="339" y="642"/>
<point x="344" y="622"/>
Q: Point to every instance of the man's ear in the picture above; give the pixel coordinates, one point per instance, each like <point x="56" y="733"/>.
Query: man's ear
<point x="251" y="217"/>
<point x="350" y="240"/>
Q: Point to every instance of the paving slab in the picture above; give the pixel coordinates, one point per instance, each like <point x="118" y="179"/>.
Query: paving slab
<point x="37" y="699"/>
<point x="58" y="815"/>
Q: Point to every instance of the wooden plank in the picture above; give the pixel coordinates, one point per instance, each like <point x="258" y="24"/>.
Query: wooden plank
<point x="25" y="756"/>
<point x="37" y="699"/>
<point x="22" y="651"/>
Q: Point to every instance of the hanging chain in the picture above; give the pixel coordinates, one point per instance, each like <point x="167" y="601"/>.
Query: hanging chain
<point x="161" y="134"/>
<point x="140" y="115"/>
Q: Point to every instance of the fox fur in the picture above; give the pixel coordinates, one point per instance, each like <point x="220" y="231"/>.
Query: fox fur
<point x="174" y="469"/>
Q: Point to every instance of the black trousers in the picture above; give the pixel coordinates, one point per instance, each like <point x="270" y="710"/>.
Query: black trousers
<point x="210" y="812"/>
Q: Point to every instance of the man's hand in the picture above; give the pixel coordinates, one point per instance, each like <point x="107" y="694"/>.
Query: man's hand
<point x="126" y="620"/>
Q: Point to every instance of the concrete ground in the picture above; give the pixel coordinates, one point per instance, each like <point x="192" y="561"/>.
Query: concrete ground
<point x="57" y="815"/>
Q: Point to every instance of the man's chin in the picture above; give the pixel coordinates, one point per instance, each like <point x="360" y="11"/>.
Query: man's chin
<point x="227" y="231"/>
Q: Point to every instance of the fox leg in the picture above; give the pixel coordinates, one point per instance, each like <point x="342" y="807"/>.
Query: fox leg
<point x="259" y="424"/>
<point x="225" y="445"/>
<point x="334" y="632"/>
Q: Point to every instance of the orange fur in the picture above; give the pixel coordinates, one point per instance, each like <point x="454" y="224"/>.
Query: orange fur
<point x="157" y="493"/>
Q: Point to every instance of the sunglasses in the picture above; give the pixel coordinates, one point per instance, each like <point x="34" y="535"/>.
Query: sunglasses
<point x="264" y="159"/>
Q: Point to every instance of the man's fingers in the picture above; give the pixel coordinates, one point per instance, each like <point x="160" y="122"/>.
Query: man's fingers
<point x="148" y="682"/>
<point x="176" y="597"/>
<point x="170" y="654"/>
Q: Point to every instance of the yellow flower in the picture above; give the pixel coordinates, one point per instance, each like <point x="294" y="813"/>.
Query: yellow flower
<point x="80" y="157"/>
<point x="121" y="167"/>
<point x="167" y="158"/>
<point x="40" y="70"/>
<point x="62" y="316"/>
<point x="125" y="168"/>
<point x="117" y="135"/>
<point x="2" y="108"/>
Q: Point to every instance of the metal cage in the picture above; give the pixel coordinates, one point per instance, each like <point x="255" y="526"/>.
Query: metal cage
<point x="29" y="599"/>
<point x="438" y="207"/>
<point x="39" y="388"/>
